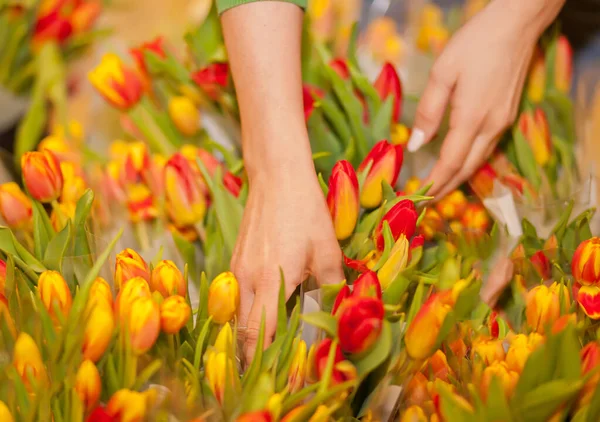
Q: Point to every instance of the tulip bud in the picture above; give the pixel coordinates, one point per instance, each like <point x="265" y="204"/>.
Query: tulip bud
<point x="5" y="415"/>
<point x="360" y="323"/>
<point x="482" y="182"/>
<point x="15" y="206"/>
<point x="541" y="264"/>
<point x="402" y="219"/>
<point x="536" y="131"/>
<point x="385" y="161"/>
<point x="520" y="348"/>
<point x="367" y="285"/>
<point x="258" y="416"/>
<point x="551" y="248"/>
<point x="585" y="265"/>
<point x="342" y="295"/>
<point x="588" y="298"/>
<point x="342" y="199"/>
<point x="185" y="198"/>
<point x="88" y="384"/>
<point x="308" y="95"/>
<point x="536" y="84"/>
<point x="212" y="79"/>
<point x="127" y="406"/>
<point x="223" y="298"/>
<point x="493" y="325"/>
<point x="155" y="46"/>
<point x="508" y="379"/>
<point x="54" y="292"/>
<point x="118" y="84"/>
<point x="590" y="360"/>
<point x="437" y="365"/>
<point x="413" y="414"/>
<point x="422" y="333"/>
<point x="185" y="115"/>
<point x="174" y="314"/>
<point x="488" y="350"/>
<point x="563" y="68"/>
<point x="27" y="360"/>
<point x="168" y="280"/>
<point x="431" y="224"/>
<point x="343" y="370"/>
<point x="129" y="264"/>
<point x="62" y="214"/>
<point x="132" y="289"/>
<point x="544" y="304"/>
<point x="297" y="371"/>
<point x="224" y="341"/>
<point x="98" y="332"/>
<point x="475" y="218"/>
<point x="100" y="292"/>
<point x="452" y="206"/>
<point x="143" y="324"/>
<point x="218" y="367"/>
<point x="42" y="175"/>
<point x="388" y="84"/>
<point x="396" y="262"/>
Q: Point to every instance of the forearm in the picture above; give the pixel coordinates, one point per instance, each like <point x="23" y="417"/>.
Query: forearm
<point x="263" y="41"/>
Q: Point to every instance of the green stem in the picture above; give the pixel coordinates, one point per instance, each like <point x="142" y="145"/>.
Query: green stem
<point x="142" y="235"/>
<point x="143" y="120"/>
<point x="201" y="232"/>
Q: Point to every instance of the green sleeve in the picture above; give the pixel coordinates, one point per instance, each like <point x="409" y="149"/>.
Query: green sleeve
<point x="223" y="5"/>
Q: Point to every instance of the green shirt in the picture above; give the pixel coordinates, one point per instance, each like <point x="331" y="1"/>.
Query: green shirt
<point x="223" y="5"/>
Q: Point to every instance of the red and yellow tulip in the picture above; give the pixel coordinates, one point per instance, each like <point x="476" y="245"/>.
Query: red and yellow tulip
<point x="536" y="84"/>
<point x="388" y="84"/>
<point x="563" y="65"/>
<point x="544" y="305"/>
<point x="54" y="292"/>
<point x="117" y="83"/>
<point x="88" y="384"/>
<point x="167" y="279"/>
<point x="297" y="371"/>
<point x="360" y="323"/>
<point x="402" y="219"/>
<point x="128" y="406"/>
<point x="42" y="175"/>
<point x="143" y="324"/>
<point x="541" y="264"/>
<point x="590" y="360"/>
<point x="212" y="79"/>
<point x="534" y="126"/>
<point x="186" y="202"/>
<point x="343" y="200"/>
<point x="585" y="265"/>
<point x="129" y="264"/>
<point x="588" y="298"/>
<point x="452" y="206"/>
<point x="343" y="370"/>
<point x="385" y="161"/>
<point x="156" y="46"/>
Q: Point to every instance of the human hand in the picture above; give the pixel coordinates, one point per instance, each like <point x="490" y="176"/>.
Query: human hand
<point x="481" y="74"/>
<point x="286" y="225"/>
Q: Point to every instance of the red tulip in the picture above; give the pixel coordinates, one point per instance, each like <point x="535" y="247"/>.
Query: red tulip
<point x="541" y="264"/>
<point x="588" y="298"/>
<point x="360" y="323"/>
<point x="388" y="83"/>
<point x="154" y="46"/>
<point x="367" y="285"/>
<point x="342" y="295"/>
<point x="340" y="67"/>
<point x="308" y="95"/>
<point x="343" y="370"/>
<point x="42" y="175"/>
<point x="342" y="199"/>
<point x="493" y="324"/>
<point x="212" y="79"/>
<point x="386" y="161"/>
<point x="402" y="219"/>
<point x="417" y="242"/>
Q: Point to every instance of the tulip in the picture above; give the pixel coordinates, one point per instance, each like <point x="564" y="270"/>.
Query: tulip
<point x="127" y="406"/>
<point x="422" y="332"/>
<point x="488" y="350"/>
<point x="343" y="200"/>
<point x="343" y="370"/>
<point x="590" y="360"/>
<point x="5" y="415"/>
<point x="493" y="325"/>
<point x="155" y="46"/>
<point x="223" y="298"/>
<point x="535" y="129"/>
<point x="167" y="279"/>
<point x="544" y="303"/>
<point x="98" y="331"/>
<point x="258" y="416"/>
<point x="185" y="198"/>
<point x="416" y="390"/>
<point x="308" y="95"/>
<point x="585" y="265"/>
<point x="88" y="384"/>
<point x="360" y="323"/>
<point x="136" y="162"/>
<point x="52" y="24"/>
<point x="27" y="360"/>
<point x="402" y="219"/>
<point x="297" y="371"/>
<point x="15" y="206"/>
<point x="482" y="182"/>
<point x="551" y="248"/>
<point x="542" y="265"/>
<point x="508" y="379"/>
<point x="341" y="297"/>
<point x="224" y="341"/>
<point x="100" y="292"/>
<point x="388" y="84"/>
<point x="2" y="276"/>
<point x="132" y="289"/>
<point x="417" y="242"/>
<point x="396" y="262"/>
<point x="536" y="84"/>
<point x="54" y="292"/>
<point x="475" y="218"/>
<point x="118" y="84"/>
<point x="367" y="285"/>
<point x="143" y="324"/>
<point x="129" y="264"/>
<point x="174" y="314"/>
<point x="562" y="322"/>
<point x="212" y="79"/>
<point x="437" y="365"/>
<point x="452" y="206"/>
<point x="563" y="68"/>
<point x="140" y="203"/>
<point x="588" y="298"/>
<point x="520" y="349"/>
<point x="458" y="347"/>
<point x="74" y="185"/>
<point x="432" y="38"/>
<point x="400" y="134"/>
<point x="62" y="214"/>
<point x="274" y="405"/>
<point x="340" y="67"/>
<point x="414" y="414"/>
<point x="42" y="175"/>
<point x="431" y="224"/>
<point x="5" y="316"/>
<point x="218" y="371"/>
<point x="184" y="114"/>
<point x="385" y="161"/>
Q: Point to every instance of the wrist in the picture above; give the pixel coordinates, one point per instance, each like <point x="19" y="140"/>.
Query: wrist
<point x="534" y="16"/>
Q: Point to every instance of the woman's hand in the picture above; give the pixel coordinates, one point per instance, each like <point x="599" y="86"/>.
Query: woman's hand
<point x="481" y="73"/>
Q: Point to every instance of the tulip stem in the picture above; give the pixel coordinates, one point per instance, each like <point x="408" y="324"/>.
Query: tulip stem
<point x="143" y="120"/>
<point x="201" y="232"/>
<point x="172" y="347"/>
<point x="142" y="235"/>
<point x="59" y="213"/>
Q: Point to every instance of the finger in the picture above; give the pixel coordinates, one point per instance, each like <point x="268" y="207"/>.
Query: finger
<point x="264" y="302"/>
<point x="454" y="152"/>
<point x="430" y="110"/>
<point x="328" y="267"/>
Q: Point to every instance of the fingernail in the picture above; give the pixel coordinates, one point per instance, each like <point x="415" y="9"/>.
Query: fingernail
<point x="416" y="141"/>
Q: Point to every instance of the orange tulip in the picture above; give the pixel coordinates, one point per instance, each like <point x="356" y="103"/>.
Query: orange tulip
<point x="543" y="305"/>
<point x="258" y="416"/>
<point x="15" y="206"/>
<point x="590" y="360"/>
<point x="342" y="199"/>
<point x="585" y="265"/>
<point x="42" y="175"/>
<point x="118" y="84"/>
<point x="98" y="331"/>
<point x="140" y="203"/>
<point x="385" y="161"/>
<point x="437" y="365"/>
<point x="431" y="224"/>
<point x="482" y="182"/>
<point x="416" y="390"/>
<point x="423" y="330"/>
<point x="475" y="218"/>
<point x="54" y="292"/>
<point x="143" y="324"/>
<point x="130" y="264"/>
<point x="88" y="384"/>
<point x="167" y="279"/>
<point x="174" y="314"/>
<point x="520" y="348"/>
<point x="100" y="292"/>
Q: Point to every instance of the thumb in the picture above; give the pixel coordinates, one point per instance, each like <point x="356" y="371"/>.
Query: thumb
<point x="263" y="304"/>
<point x="430" y="111"/>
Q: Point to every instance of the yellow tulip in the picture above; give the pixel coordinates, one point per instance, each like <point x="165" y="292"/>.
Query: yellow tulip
<point x="223" y="298"/>
<point x="167" y="279"/>
<point x="54" y="292"/>
<point x="174" y="314"/>
<point x="88" y="384"/>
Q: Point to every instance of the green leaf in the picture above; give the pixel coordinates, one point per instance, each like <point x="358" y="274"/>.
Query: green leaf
<point x="378" y="353"/>
<point x="451" y="406"/>
<point x="416" y="303"/>
<point x="497" y="408"/>
<point x="352" y="46"/>
<point x="147" y="374"/>
<point x="42" y="229"/>
<point x="336" y="118"/>
<point x="206" y="41"/>
<point x="82" y="211"/>
<point x="200" y="343"/>
<point x="254" y="370"/>
<point x="329" y="293"/>
<point x="449" y="274"/>
<point x="382" y="121"/>
<point x="593" y="411"/>
<point x="281" y="308"/>
<point x="323" y="184"/>
<point x="322" y="320"/>
<point x="394" y="292"/>
<point x="31" y="128"/>
<point x="323" y="140"/>
<point x="541" y="403"/>
<point x="526" y="159"/>
<point x="187" y="250"/>
<point x="56" y="249"/>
